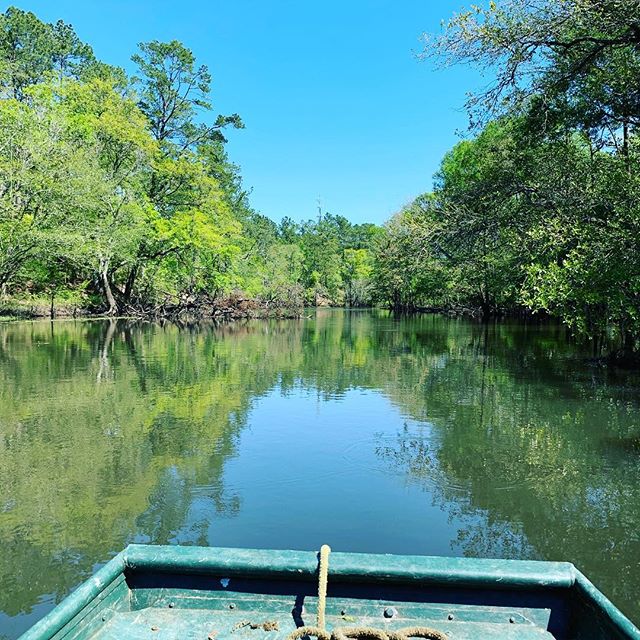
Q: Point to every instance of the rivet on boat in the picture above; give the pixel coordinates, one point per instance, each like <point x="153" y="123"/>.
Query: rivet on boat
<point x="512" y="619"/>
<point x="389" y="612"/>
<point x="450" y="616"/>
<point x="232" y="606"/>
<point x="171" y="605"/>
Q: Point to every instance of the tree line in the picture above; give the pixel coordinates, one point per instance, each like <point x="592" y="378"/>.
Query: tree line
<point x="537" y="211"/>
<point x="117" y="193"/>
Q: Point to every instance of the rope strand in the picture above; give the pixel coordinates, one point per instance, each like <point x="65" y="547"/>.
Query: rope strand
<point x="361" y="633"/>
<point x="323" y="578"/>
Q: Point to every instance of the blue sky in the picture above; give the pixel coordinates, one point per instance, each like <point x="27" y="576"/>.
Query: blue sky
<point x="334" y="101"/>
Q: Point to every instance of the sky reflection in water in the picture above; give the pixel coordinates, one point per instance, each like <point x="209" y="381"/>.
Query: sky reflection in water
<point x="372" y="433"/>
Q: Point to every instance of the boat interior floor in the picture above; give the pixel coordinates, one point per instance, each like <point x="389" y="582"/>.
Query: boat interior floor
<point x="243" y="617"/>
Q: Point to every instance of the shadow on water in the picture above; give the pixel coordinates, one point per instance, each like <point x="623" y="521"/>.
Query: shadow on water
<point x="113" y="432"/>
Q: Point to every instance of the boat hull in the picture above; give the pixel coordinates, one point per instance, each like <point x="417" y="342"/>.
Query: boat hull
<point x="171" y="592"/>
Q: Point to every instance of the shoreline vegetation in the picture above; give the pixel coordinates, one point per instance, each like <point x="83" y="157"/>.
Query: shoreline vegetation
<point x="237" y="307"/>
<point x="234" y="306"/>
<point x="118" y="198"/>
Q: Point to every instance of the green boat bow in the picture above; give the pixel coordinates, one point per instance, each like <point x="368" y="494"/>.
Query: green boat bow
<point x="174" y="592"/>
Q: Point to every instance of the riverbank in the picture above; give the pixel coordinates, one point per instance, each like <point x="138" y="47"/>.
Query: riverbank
<point x="239" y="306"/>
<point x="235" y="306"/>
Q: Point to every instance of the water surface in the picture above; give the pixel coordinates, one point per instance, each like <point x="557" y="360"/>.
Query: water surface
<point x="421" y="435"/>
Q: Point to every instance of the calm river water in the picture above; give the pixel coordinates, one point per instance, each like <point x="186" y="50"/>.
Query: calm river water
<point x="371" y="433"/>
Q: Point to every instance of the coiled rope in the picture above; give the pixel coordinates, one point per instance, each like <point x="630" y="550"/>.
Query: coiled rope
<point x="360" y="633"/>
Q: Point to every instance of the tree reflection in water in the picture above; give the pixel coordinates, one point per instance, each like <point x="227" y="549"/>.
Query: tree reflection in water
<point x="113" y="432"/>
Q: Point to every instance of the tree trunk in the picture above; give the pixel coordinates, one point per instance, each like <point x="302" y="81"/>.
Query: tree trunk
<point x="628" y="345"/>
<point x="106" y="286"/>
<point x="131" y="280"/>
<point x="486" y="308"/>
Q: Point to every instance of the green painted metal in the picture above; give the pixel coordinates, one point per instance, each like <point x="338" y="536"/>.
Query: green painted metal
<point x="159" y="592"/>
<point x="361" y="567"/>
<point x="608" y="612"/>
<point x="73" y="606"/>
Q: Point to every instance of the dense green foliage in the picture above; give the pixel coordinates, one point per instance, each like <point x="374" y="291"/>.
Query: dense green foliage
<point x="118" y="192"/>
<point x="539" y="211"/>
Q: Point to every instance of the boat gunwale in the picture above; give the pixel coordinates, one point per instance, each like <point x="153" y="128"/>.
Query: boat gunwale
<point x="352" y="567"/>
<point x="346" y="567"/>
<point x="77" y="600"/>
<point x="591" y="594"/>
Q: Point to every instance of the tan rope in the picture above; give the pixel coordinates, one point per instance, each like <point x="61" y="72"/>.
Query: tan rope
<point x="368" y="633"/>
<point x="316" y="632"/>
<point x="360" y="633"/>
<point x="323" y="578"/>
<point x="422" y="632"/>
<point x="371" y="633"/>
<point x="342" y="633"/>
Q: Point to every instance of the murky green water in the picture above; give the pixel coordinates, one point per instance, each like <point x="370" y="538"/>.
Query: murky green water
<point x="416" y="435"/>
